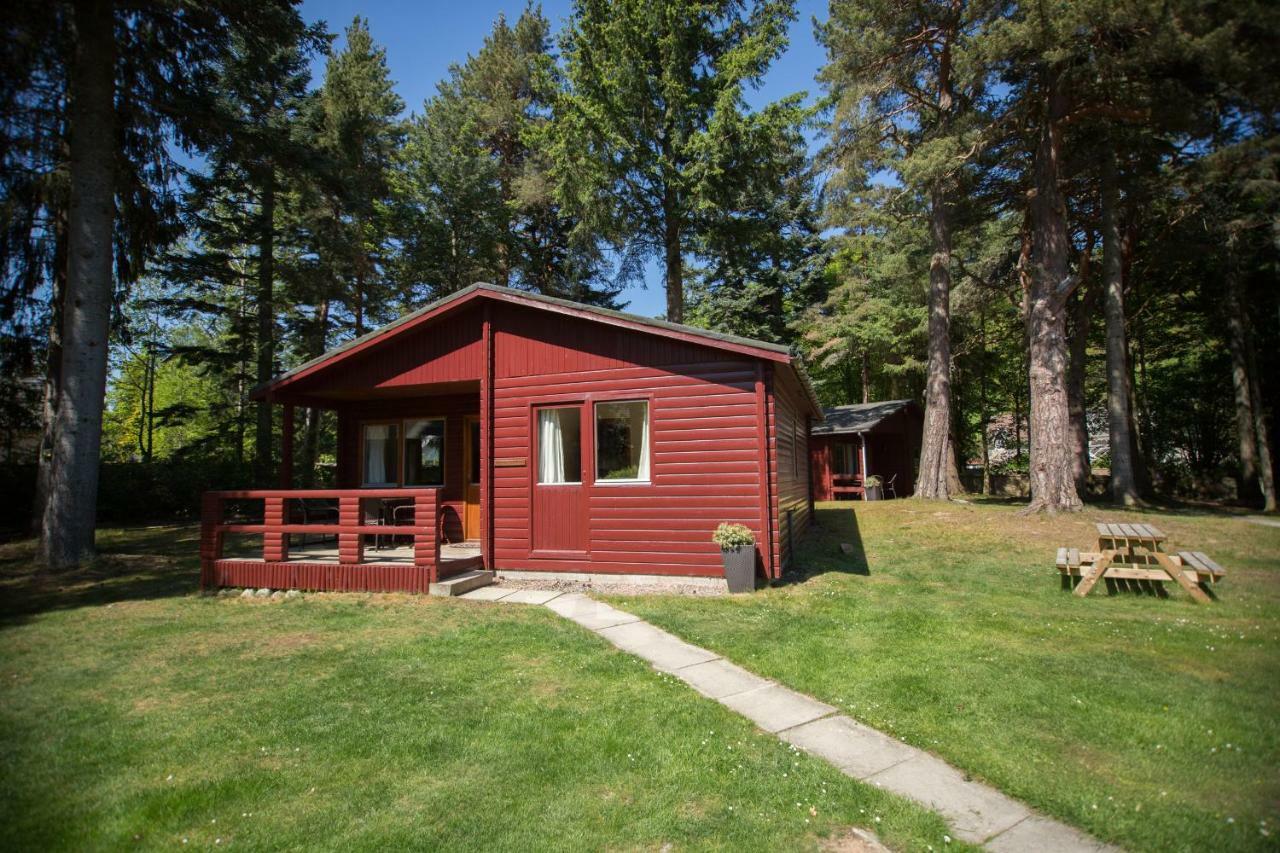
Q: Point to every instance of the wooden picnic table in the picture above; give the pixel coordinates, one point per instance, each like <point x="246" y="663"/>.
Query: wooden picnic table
<point x="1136" y="552"/>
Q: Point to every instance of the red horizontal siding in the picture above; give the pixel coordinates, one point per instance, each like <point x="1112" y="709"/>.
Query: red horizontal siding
<point x="447" y="351"/>
<point x="789" y="440"/>
<point x="704" y="446"/>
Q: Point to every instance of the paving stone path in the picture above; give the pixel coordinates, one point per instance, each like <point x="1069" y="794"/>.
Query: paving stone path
<point x="977" y="813"/>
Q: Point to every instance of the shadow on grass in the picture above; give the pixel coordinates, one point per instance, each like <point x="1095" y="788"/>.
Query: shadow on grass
<point x="1161" y="506"/>
<point x="138" y="564"/>
<point x="833" y="544"/>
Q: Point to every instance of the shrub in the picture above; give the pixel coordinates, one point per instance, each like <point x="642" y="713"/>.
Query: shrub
<point x="731" y="537"/>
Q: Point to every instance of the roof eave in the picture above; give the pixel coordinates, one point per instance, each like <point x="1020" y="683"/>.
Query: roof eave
<point x="733" y="343"/>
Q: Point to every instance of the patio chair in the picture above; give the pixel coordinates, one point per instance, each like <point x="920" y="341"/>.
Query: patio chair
<point x="371" y="513"/>
<point x="888" y="487"/>
<point x="317" y="511"/>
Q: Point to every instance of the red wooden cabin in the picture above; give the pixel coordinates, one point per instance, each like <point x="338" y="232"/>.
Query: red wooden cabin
<point x="530" y="434"/>
<point x="853" y="442"/>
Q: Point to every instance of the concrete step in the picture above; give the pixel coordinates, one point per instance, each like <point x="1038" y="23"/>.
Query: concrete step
<point x="459" y="584"/>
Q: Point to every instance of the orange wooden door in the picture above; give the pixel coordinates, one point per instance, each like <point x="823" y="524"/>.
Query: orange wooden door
<point x="471" y="485"/>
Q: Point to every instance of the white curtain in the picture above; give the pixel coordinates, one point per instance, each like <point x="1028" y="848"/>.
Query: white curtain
<point x="550" y="447"/>
<point x="375" y="453"/>
<point x="642" y="417"/>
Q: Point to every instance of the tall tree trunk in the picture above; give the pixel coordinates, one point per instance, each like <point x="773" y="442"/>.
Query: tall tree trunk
<point x="1053" y="487"/>
<point x="984" y="413"/>
<point x="1124" y="482"/>
<point x="1248" y="486"/>
<point x="152" y="367"/>
<point x="674" y="256"/>
<point x="52" y="373"/>
<point x="71" y="505"/>
<point x="1256" y="475"/>
<point x="1266" y="468"/>
<point x="311" y="430"/>
<point x="933" y="480"/>
<point x="1083" y="305"/>
<point x="262" y="468"/>
<point x="866" y="377"/>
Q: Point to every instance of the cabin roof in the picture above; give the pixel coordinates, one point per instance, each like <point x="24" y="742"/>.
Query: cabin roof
<point x="859" y="417"/>
<point x="778" y="353"/>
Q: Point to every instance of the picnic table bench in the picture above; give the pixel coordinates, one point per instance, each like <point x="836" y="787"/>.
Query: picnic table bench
<point x="1136" y="552"/>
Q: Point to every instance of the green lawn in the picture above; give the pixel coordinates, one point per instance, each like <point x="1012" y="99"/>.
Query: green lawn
<point x="1151" y="723"/>
<point x="134" y="712"/>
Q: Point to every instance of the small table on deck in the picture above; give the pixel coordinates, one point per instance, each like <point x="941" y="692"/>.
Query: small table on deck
<point x="1135" y="551"/>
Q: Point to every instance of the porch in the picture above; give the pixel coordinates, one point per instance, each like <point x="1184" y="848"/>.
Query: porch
<point x="347" y="540"/>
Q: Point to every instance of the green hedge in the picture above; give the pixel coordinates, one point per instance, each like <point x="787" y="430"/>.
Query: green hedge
<point x="132" y="492"/>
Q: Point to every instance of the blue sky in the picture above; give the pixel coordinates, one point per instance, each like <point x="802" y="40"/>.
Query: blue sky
<point x="423" y="39"/>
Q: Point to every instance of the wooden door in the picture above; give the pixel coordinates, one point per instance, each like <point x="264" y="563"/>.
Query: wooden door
<point x="471" y="478"/>
<point x="558" y="511"/>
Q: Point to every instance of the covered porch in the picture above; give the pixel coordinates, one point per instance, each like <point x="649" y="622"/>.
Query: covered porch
<point x="411" y="482"/>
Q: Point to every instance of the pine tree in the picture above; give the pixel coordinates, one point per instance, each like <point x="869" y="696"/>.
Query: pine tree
<point x="235" y="205"/>
<point x="655" y="98"/>
<point x="475" y="191"/>
<point x="360" y="129"/>
<point x="762" y="263"/>
<point x="908" y="83"/>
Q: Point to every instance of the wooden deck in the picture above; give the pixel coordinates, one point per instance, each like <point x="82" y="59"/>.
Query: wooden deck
<point x="342" y="550"/>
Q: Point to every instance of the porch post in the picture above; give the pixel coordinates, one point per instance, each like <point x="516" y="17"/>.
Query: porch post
<point x="865" y="472"/>
<point x="486" y="442"/>
<point x="286" y="449"/>
<point x="275" y="545"/>
<point x="350" y="545"/>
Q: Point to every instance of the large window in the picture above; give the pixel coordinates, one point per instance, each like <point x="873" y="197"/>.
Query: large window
<point x="424" y="452"/>
<point x="381" y="465"/>
<point x="560" y="445"/>
<point x="622" y="441"/>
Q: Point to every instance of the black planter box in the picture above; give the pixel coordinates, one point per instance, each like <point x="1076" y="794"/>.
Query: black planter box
<point x="740" y="568"/>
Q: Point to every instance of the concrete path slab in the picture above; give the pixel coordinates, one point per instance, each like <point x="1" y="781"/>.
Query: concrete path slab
<point x="671" y="654"/>
<point x="718" y="678"/>
<point x="589" y="613"/>
<point x="1041" y="835"/>
<point x="774" y="707"/>
<point x="859" y="751"/>
<point x="487" y="593"/>
<point x="975" y="811"/>
<point x="530" y="596"/>
<point x="633" y="635"/>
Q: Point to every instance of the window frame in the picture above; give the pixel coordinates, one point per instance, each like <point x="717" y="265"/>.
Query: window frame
<point x="399" y="424"/>
<point x="596" y="479"/>
<point x="399" y="463"/>
<point x="444" y="452"/>
<point x="536" y="467"/>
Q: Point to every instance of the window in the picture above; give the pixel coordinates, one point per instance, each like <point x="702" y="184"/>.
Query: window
<point x="381" y="467"/>
<point x="622" y="441"/>
<point x="844" y="459"/>
<point x="424" y="452"/>
<point x="560" y="445"/>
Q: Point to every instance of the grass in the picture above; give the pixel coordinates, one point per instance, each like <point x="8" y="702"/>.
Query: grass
<point x="1152" y="723"/>
<point x="134" y="712"/>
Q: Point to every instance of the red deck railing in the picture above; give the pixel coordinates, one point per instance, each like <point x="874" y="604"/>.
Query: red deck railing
<point x="280" y="508"/>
